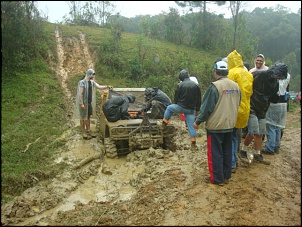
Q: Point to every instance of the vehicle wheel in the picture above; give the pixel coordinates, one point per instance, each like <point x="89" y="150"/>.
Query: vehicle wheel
<point x="110" y="148"/>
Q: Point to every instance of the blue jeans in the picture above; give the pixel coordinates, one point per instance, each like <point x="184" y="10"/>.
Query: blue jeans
<point x="234" y="147"/>
<point x="189" y="114"/>
<point x="273" y="134"/>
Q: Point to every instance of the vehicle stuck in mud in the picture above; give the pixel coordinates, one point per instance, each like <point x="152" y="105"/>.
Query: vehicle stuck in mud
<point x="124" y="136"/>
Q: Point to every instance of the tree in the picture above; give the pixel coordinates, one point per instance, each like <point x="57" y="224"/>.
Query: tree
<point x="21" y="26"/>
<point x="235" y="7"/>
<point x="173" y="27"/>
<point x="201" y="25"/>
<point x="89" y="13"/>
<point x="104" y="10"/>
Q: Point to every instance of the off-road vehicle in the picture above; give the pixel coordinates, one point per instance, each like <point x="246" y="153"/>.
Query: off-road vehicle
<point x="124" y="136"/>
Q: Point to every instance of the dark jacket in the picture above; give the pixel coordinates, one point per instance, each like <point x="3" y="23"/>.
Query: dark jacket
<point x="159" y="96"/>
<point x="265" y="86"/>
<point x="116" y="108"/>
<point x="188" y="94"/>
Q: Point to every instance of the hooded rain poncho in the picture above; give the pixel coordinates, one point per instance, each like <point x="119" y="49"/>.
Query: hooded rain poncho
<point x="244" y="79"/>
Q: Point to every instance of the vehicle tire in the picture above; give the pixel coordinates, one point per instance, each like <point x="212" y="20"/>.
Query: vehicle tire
<point x="110" y="148"/>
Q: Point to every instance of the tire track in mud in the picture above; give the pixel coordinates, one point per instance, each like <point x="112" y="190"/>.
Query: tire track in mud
<point x="85" y="50"/>
<point x="61" y="73"/>
<point x="73" y="58"/>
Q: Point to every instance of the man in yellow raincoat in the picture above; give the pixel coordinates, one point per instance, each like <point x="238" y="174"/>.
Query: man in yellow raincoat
<point x="244" y="79"/>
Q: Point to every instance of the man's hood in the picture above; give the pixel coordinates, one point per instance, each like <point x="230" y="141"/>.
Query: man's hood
<point x="131" y="98"/>
<point x="234" y="60"/>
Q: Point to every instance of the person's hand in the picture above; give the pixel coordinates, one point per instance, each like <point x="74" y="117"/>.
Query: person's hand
<point x="132" y="116"/>
<point x="195" y="125"/>
<point x="82" y="107"/>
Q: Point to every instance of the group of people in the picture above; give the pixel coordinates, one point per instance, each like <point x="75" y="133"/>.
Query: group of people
<point x="116" y="108"/>
<point x="238" y="98"/>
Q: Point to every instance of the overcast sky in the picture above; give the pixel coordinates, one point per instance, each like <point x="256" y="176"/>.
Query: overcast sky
<point x="55" y="10"/>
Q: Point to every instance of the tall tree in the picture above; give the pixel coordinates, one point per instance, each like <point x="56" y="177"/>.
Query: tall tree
<point x="201" y="26"/>
<point x="89" y="13"/>
<point x="235" y="7"/>
<point x="173" y="27"/>
<point x="21" y="26"/>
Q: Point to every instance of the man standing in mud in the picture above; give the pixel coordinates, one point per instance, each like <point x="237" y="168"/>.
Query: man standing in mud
<point x="219" y="110"/>
<point x="187" y="99"/>
<point x="265" y="86"/>
<point x="85" y="101"/>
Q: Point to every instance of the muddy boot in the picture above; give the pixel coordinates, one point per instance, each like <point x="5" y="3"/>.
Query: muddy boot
<point x="259" y="158"/>
<point x="86" y="135"/>
<point x="92" y="134"/>
<point x="162" y="125"/>
<point x="193" y="147"/>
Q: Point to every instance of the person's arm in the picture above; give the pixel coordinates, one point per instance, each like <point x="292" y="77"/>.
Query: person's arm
<point x="176" y="94"/>
<point x="80" y="96"/>
<point x="208" y="105"/>
<point x="81" y="90"/>
<point x="102" y="87"/>
<point x="147" y="107"/>
<point x="198" y="103"/>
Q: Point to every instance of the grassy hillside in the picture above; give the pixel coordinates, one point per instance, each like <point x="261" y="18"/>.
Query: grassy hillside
<point x="137" y="61"/>
<point x="32" y="114"/>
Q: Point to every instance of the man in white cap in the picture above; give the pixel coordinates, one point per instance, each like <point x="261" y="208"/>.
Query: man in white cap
<point x="219" y="110"/>
<point x="85" y="101"/>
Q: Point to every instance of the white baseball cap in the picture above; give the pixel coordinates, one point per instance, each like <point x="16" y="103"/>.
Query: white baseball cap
<point x="221" y="65"/>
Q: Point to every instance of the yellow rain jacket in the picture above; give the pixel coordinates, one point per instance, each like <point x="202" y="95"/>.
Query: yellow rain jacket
<point x="244" y="79"/>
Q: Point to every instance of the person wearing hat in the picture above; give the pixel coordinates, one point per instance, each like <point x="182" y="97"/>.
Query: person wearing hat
<point x="86" y="101"/>
<point x="157" y="101"/>
<point x="116" y="108"/>
<point x="187" y="100"/>
<point x="244" y="79"/>
<point x="219" y="110"/>
<point x="259" y="63"/>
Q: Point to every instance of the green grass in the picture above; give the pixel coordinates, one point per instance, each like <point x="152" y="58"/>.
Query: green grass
<point x="32" y="109"/>
<point x="117" y="67"/>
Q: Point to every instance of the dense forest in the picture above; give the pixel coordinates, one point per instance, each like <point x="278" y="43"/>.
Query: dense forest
<point x="274" y="32"/>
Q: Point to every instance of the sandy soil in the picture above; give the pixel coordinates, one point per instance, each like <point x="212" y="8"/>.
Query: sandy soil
<point x="156" y="186"/>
